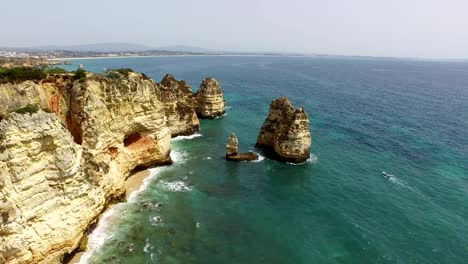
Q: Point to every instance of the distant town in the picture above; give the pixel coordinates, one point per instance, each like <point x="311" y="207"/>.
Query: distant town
<point x="13" y="58"/>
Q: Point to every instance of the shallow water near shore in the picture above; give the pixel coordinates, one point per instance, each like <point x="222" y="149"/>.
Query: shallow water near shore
<point x="407" y="118"/>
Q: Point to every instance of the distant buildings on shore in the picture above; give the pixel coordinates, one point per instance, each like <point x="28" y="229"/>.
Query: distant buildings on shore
<point x="14" y="54"/>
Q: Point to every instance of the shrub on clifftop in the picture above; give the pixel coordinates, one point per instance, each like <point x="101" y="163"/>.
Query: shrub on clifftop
<point x="80" y="74"/>
<point x="20" y="74"/>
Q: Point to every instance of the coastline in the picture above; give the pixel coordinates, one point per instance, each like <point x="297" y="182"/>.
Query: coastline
<point x="133" y="184"/>
<point x="181" y="55"/>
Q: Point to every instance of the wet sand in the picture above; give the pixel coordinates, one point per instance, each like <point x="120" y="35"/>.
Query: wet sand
<point x="132" y="184"/>
<point x="135" y="181"/>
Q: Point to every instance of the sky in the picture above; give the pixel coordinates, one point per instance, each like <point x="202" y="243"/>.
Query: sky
<point x="391" y="28"/>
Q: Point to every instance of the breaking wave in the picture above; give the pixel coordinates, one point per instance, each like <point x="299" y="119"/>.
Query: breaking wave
<point x="186" y="137"/>
<point x="175" y="186"/>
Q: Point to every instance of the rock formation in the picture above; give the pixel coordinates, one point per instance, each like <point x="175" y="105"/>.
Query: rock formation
<point x="232" y="151"/>
<point x="232" y="146"/>
<point x="210" y="99"/>
<point x="179" y="106"/>
<point x="286" y="132"/>
<point x="60" y="170"/>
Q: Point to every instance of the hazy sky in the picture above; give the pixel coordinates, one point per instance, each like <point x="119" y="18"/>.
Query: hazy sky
<point x="404" y="28"/>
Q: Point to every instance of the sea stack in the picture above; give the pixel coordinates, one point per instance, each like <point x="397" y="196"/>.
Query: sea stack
<point x="232" y="151"/>
<point x="210" y="99"/>
<point x="286" y="132"/>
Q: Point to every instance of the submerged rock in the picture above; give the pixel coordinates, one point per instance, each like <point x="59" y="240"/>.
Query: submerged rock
<point x="232" y="151"/>
<point x="210" y="99"/>
<point x="286" y="132"/>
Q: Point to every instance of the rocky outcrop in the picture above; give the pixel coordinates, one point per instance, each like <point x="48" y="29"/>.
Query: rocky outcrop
<point x="210" y="99"/>
<point x="49" y="93"/>
<point x="232" y="151"/>
<point x="286" y="132"/>
<point x="46" y="201"/>
<point x="232" y="146"/>
<point x="60" y="170"/>
<point x="179" y="106"/>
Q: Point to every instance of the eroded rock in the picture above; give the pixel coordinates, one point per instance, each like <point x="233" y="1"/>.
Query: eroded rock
<point x="286" y="132"/>
<point x="232" y="151"/>
<point x="210" y="99"/>
<point x="60" y="170"/>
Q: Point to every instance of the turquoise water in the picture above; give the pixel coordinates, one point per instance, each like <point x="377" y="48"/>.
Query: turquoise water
<point x="408" y="118"/>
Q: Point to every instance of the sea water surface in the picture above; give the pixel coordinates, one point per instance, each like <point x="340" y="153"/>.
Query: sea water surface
<point x="408" y="118"/>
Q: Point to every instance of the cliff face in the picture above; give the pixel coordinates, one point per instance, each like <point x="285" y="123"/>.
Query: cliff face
<point x="286" y="132"/>
<point x="58" y="171"/>
<point x="210" y="99"/>
<point x="46" y="201"/>
<point x="50" y="93"/>
<point x="179" y="106"/>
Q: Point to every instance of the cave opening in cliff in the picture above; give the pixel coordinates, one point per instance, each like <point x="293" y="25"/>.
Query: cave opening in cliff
<point x="131" y="139"/>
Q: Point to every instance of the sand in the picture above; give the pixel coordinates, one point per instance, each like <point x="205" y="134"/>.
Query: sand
<point x="132" y="184"/>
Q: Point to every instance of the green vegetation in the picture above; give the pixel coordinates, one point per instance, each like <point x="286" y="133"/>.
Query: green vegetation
<point x="19" y="74"/>
<point x="80" y="75"/>
<point x="112" y="75"/>
<point x="56" y="70"/>
<point x="124" y="71"/>
<point x="30" y="108"/>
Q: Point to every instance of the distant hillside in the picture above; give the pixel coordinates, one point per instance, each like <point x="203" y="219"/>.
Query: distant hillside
<point x="187" y="49"/>
<point x="100" y="47"/>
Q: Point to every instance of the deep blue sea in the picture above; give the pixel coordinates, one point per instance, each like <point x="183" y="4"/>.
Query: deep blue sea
<point x="408" y="118"/>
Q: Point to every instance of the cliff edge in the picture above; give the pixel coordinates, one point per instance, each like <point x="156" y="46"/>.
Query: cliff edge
<point x="67" y="144"/>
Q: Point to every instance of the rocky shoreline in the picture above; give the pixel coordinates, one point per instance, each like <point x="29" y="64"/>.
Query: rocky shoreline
<point x="69" y="143"/>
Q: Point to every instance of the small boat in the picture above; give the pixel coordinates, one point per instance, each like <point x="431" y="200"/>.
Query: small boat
<point x="386" y="175"/>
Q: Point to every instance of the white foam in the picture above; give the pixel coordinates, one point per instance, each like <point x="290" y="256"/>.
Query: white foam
<point x="392" y="178"/>
<point x="175" y="186"/>
<point x="146" y="182"/>
<point x="178" y="156"/>
<point x="187" y="137"/>
<point x="100" y="234"/>
<point x="260" y="157"/>
<point x="312" y="159"/>
<point x="223" y="115"/>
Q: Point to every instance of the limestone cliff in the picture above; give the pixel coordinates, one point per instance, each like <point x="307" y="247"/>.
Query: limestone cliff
<point x="46" y="201"/>
<point x="179" y="106"/>
<point x="210" y="99"/>
<point x="286" y="132"/>
<point x="59" y="170"/>
<point x="49" y="93"/>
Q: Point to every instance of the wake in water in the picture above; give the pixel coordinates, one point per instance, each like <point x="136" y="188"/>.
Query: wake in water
<point x="393" y="179"/>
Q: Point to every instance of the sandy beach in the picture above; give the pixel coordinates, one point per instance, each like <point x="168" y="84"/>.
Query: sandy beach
<point x="132" y="184"/>
<point x="135" y="181"/>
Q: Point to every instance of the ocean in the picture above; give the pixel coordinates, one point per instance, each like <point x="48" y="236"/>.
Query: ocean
<point x="408" y="118"/>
